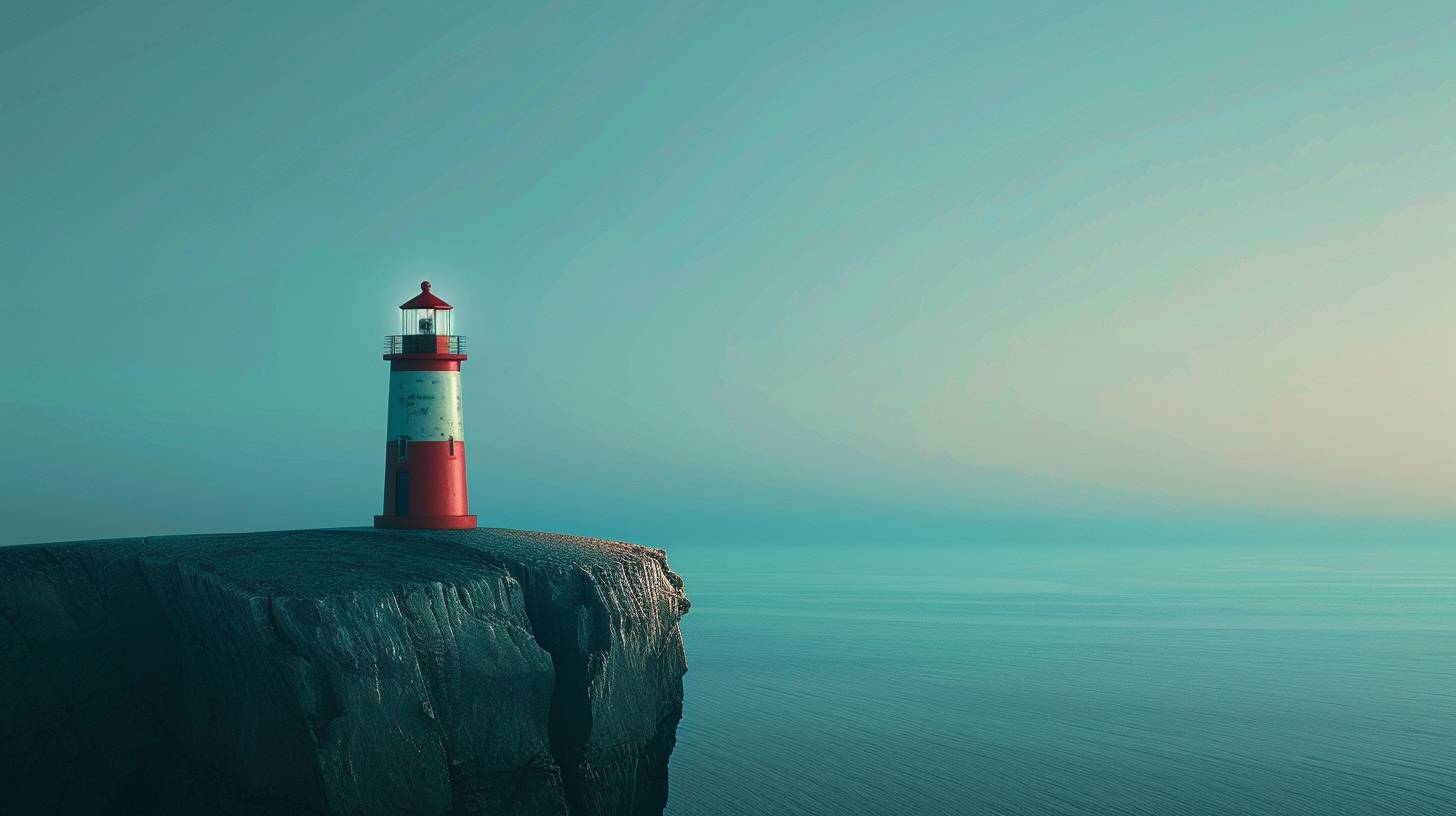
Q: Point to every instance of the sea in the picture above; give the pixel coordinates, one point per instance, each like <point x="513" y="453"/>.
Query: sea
<point x="1161" y="678"/>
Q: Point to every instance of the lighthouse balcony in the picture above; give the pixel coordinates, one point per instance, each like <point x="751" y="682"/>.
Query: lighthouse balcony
<point x="424" y="344"/>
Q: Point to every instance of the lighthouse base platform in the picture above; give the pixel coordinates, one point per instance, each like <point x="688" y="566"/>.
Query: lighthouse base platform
<point x="425" y="522"/>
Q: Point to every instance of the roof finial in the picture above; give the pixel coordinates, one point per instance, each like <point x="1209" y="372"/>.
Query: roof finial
<point x="425" y="299"/>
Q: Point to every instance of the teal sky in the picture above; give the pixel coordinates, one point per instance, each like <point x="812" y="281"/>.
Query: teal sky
<point x="732" y="267"/>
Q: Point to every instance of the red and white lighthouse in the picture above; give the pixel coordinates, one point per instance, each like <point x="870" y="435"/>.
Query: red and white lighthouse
<point x="424" y="454"/>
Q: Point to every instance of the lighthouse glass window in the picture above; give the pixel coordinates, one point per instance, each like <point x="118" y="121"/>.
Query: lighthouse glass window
<point x="426" y="321"/>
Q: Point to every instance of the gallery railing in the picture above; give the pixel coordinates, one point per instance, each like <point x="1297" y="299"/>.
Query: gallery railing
<point x="424" y="344"/>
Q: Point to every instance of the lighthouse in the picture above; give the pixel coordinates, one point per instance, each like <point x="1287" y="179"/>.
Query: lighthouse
<point x="424" y="450"/>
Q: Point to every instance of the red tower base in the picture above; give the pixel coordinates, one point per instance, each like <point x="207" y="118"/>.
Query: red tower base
<point x="424" y="489"/>
<point x="425" y="522"/>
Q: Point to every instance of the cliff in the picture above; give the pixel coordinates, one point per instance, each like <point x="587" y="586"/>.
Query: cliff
<point x="353" y="671"/>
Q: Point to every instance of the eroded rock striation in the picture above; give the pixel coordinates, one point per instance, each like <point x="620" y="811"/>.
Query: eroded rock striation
<point x="354" y="671"/>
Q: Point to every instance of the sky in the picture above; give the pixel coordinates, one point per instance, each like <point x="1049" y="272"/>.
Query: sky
<point x="736" y="269"/>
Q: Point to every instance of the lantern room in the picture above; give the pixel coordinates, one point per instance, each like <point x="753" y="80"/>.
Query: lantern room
<point x="425" y="313"/>
<point x="425" y="326"/>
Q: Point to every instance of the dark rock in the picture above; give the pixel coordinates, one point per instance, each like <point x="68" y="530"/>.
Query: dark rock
<point x="352" y="671"/>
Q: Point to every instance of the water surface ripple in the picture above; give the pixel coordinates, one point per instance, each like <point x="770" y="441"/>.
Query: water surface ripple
<point x="1068" y="680"/>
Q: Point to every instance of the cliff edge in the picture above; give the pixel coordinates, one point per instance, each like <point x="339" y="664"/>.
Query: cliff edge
<point x="351" y="671"/>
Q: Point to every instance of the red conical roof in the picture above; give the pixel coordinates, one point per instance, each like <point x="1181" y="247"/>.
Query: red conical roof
<point x="425" y="300"/>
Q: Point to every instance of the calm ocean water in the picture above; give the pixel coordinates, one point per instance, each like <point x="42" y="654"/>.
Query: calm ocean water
<point x="1068" y="680"/>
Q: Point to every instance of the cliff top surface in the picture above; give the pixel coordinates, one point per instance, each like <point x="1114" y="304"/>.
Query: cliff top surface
<point x="331" y="560"/>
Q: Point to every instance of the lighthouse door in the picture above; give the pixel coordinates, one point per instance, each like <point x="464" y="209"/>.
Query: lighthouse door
<point x="401" y="493"/>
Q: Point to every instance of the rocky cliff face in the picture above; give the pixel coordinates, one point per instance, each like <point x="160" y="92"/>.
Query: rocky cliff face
<point x="339" y="672"/>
